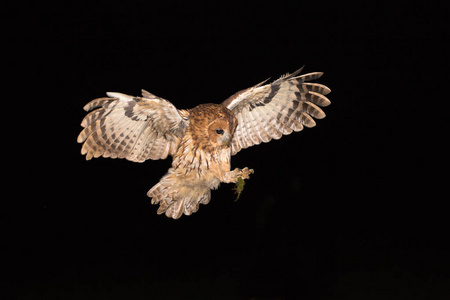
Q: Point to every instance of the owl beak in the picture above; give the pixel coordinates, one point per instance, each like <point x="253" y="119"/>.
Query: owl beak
<point x="226" y="138"/>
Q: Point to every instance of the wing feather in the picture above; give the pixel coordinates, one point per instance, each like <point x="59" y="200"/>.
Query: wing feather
<point x="97" y="130"/>
<point x="140" y="140"/>
<point x="277" y="119"/>
<point x="266" y="112"/>
<point x="249" y="136"/>
<point x="99" y="102"/>
<point x="148" y="147"/>
<point x="122" y="143"/>
<point x="115" y="138"/>
<point x="259" y="127"/>
<point x="253" y="134"/>
<point x="266" y="125"/>
<point x="135" y="128"/>
<point x="241" y="138"/>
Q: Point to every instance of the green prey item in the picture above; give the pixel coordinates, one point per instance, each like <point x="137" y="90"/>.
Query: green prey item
<point x="238" y="188"/>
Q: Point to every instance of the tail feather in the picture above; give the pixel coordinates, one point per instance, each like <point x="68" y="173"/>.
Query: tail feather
<point x="174" y="200"/>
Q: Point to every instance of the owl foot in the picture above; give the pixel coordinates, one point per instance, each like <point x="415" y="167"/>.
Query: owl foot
<point x="234" y="175"/>
<point x="245" y="173"/>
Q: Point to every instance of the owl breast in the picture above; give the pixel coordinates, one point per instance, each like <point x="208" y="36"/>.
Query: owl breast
<point x="199" y="167"/>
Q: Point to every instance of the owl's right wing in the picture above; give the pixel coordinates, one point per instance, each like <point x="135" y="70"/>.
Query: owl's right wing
<point x="135" y="128"/>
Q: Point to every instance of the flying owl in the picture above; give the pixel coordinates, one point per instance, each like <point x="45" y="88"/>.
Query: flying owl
<point x="200" y="140"/>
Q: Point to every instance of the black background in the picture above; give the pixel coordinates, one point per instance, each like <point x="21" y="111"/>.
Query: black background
<point x="351" y="209"/>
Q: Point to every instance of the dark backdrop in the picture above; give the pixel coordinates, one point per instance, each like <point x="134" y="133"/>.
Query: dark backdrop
<point x="351" y="209"/>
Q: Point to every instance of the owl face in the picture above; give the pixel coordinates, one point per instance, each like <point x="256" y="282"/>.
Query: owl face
<point x="212" y="126"/>
<point x="220" y="132"/>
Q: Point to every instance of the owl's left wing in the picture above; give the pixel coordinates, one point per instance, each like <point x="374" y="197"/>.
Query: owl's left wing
<point x="266" y="112"/>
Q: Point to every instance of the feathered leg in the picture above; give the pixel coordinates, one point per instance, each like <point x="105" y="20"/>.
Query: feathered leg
<point x="175" y="197"/>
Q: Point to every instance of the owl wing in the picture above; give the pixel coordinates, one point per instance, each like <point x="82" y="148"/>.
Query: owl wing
<point x="135" y="128"/>
<point x="266" y="112"/>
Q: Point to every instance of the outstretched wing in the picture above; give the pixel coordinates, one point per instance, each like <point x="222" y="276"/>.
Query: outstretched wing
<point x="267" y="112"/>
<point x="135" y="128"/>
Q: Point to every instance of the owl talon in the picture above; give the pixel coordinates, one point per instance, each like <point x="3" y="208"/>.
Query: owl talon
<point x="245" y="173"/>
<point x="241" y="173"/>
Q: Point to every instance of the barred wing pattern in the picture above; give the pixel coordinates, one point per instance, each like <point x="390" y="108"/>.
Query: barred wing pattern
<point x="267" y="112"/>
<point x="135" y="128"/>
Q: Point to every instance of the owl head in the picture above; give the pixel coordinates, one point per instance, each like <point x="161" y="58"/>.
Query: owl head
<point x="212" y="125"/>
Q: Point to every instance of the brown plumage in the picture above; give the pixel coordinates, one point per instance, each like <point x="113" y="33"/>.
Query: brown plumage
<point x="201" y="140"/>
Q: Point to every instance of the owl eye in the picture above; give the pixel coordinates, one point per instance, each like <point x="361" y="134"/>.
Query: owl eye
<point x="219" y="131"/>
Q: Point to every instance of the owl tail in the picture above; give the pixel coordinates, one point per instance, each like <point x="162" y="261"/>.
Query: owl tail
<point x="175" y="199"/>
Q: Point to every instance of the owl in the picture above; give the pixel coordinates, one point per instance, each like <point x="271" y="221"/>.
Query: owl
<point x="200" y="140"/>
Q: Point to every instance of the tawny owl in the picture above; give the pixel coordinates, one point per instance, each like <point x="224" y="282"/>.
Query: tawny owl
<point x="201" y="140"/>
